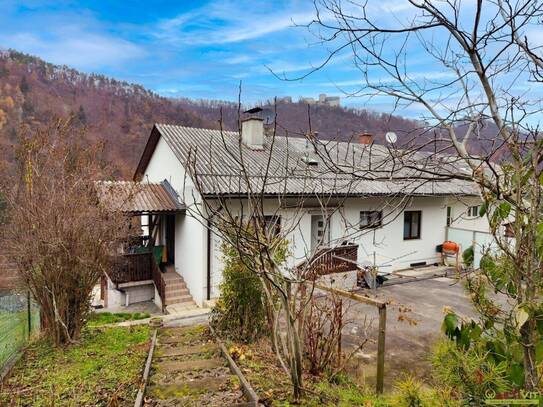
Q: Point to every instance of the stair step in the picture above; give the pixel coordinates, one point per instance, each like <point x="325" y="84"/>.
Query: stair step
<point x="187" y="365"/>
<point x="178" y="299"/>
<point x="177" y="292"/>
<point x="175" y="285"/>
<point x="190" y="388"/>
<point x="172" y="277"/>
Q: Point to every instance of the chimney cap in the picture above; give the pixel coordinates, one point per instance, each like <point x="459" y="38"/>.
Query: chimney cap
<point x="254" y="110"/>
<point x="365" y="138"/>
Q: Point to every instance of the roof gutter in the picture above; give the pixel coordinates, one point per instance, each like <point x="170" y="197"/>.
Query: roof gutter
<point x="346" y="195"/>
<point x="208" y="260"/>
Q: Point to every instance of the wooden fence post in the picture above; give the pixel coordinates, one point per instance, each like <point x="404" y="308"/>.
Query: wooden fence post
<point x="340" y="317"/>
<point x="381" y="349"/>
<point x="29" y="313"/>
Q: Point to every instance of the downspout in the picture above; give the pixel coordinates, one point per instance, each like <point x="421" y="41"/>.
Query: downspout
<point x="208" y="260"/>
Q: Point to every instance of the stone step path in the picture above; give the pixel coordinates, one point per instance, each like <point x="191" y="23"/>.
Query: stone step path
<point x="189" y="370"/>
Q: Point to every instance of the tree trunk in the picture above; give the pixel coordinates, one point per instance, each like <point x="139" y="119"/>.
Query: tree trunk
<point x="528" y="336"/>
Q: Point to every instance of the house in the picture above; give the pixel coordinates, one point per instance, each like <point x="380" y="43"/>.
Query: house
<point x="136" y="276"/>
<point x="365" y="200"/>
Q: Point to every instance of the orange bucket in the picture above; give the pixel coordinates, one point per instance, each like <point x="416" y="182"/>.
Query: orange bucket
<point x="451" y="247"/>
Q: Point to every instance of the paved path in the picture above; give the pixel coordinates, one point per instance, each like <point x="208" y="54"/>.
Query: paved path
<point x="414" y="317"/>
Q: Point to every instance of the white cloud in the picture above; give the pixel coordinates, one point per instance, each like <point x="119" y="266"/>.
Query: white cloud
<point x="76" y="48"/>
<point x="238" y="59"/>
<point x="229" y="22"/>
<point x="281" y="67"/>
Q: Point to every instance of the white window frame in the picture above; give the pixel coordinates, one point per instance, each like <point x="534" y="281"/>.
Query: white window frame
<point x="473" y="211"/>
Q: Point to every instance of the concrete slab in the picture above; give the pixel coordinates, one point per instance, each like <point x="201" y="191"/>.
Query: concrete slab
<point x="144" y="306"/>
<point x="181" y="308"/>
<point x="192" y="317"/>
<point x="415" y="312"/>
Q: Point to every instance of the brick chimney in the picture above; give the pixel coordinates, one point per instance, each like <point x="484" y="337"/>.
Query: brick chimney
<point x="365" y="138"/>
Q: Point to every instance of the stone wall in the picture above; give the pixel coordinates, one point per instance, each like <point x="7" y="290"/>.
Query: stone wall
<point x="341" y="281"/>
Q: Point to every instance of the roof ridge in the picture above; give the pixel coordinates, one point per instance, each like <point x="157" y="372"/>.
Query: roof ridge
<point x="193" y="128"/>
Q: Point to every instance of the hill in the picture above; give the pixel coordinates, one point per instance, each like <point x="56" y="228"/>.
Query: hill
<point x="298" y="118"/>
<point x="33" y="91"/>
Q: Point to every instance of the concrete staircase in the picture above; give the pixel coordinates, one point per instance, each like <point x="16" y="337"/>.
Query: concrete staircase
<point x="178" y="297"/>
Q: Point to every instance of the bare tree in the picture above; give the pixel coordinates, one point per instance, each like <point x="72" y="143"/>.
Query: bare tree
<point x="61" y="239"/>
<point x="481" y="122"/>
<point x="257" y="200"/>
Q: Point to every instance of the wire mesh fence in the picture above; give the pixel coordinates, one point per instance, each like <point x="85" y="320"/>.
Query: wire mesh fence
<point x="19" y="321"/>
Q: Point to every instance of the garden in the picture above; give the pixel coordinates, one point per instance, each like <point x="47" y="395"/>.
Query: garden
<point x="474" y="359"/>
<point x="102" y="369"/>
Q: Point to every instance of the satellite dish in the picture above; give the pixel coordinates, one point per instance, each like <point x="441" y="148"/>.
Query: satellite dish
<point x="391" y="137"/>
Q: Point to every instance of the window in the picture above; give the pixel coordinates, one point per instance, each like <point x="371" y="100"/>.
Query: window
<point x="371" y="219"/>
<point x="411" y="224"/>
<point x="273" y="223"/>
<point x="473" y="211"/>
<point x="449" y="216"/>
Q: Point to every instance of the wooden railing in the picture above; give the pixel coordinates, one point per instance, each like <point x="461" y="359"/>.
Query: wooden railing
<point x="330" y="260"/>
<point x="160" y="284"/>
<point x="138" y="267"/>
<point x="132" y="267"/>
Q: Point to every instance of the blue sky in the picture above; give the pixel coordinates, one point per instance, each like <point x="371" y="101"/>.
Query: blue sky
<point x="177" y="48"/>
<point x="196" y="49"/>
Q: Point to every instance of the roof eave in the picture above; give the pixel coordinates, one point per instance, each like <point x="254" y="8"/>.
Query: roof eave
<point x="141" y="213"/>
<point x="336" y="195"/>
<point x="148" y="151"/>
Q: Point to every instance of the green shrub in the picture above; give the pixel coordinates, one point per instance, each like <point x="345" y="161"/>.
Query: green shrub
<point x="469" y="371"/>
<point x="240" y="313"/>
<point x="411" y="392"/>
<point x="468" y="256"/>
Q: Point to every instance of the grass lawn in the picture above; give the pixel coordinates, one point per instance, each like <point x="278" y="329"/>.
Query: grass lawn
<point x="102" y="318"/>
<point x="104" y="369"/>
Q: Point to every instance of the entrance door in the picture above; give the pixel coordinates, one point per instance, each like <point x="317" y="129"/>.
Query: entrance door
<point x="170" y="238"/>
<point x="320" y="232"/>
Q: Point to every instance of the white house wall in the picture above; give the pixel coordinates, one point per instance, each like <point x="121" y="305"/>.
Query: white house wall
<point x="298" y="246"/>
<point x="190" y="234"/>
<point x="384" y="245"/>
<point x="460" y="217"/>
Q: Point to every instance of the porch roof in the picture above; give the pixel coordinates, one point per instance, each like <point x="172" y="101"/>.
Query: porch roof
<point x="138" y="198"/>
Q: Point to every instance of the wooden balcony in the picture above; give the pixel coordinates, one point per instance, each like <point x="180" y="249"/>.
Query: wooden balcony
<point x="132" y="267"/>
<point x="330" y="260"/>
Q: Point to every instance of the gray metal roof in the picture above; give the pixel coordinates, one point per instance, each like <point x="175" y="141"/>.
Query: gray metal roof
<point x="214" y="159"/>
<point x="138" y="198"/>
